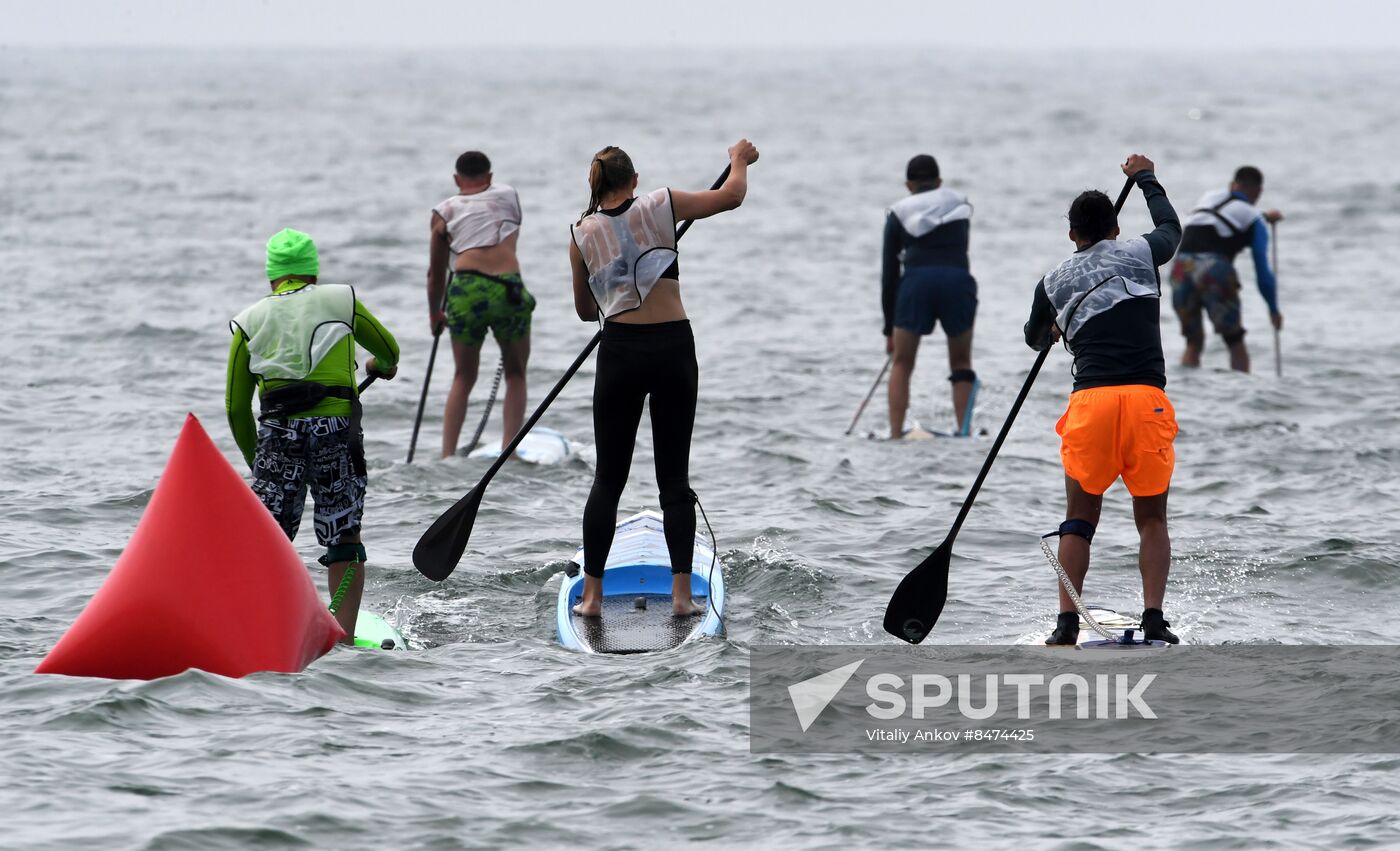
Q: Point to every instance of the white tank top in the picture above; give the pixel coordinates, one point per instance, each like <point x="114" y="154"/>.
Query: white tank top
<point x="290" y="333"/>
<point x="1229" y="216"/>
<point x="922" y="212"/>
<point x="481" y="219"/>
<point x="628" y="253"/>
<point x="1096" y="279"/>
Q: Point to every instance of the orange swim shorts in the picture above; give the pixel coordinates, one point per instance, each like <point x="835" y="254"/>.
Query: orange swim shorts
<point x="1127" y="431"/>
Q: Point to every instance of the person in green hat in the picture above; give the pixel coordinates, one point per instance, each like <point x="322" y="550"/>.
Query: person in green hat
<point x="296" y="347"/>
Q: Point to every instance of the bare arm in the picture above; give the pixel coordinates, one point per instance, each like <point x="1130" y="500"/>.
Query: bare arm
<point x="702" y="205"/>
<point x="437" y="272"/>
<point x="584" y="305"/>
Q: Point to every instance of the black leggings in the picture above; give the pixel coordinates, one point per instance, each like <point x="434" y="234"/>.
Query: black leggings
<point x="635" y="361"/>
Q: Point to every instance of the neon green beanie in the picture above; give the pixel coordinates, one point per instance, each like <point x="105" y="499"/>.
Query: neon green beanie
<point x="291" y="252"/>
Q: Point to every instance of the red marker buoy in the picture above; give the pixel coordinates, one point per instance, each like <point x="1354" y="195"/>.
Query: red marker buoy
<point x="207" y="581"/>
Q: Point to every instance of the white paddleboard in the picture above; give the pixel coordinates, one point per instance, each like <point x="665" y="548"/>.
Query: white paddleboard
<point x="637" y="594"/>
<point x="1114" y="621"/>
<point x="540" y="446"/>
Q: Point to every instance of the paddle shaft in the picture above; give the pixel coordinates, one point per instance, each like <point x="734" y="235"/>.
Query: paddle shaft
<point x="1278" y="348"/>
<point x="871" y="394"/>
<point x="1015" y="409"/>
<point x="427" y="377"/>
<point x="509" y="450"/>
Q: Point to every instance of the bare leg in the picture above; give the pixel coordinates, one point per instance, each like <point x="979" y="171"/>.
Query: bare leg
<point x="349" y="604"/>
<point x="960" y="357"/>
<point x="1192" y="355"/>
<point x="466" y="359"/>
<point x="906" y="350"/>
<point x="682" y="604"/>
<point x="515" y="356"/>
<point x="1239" y="356"/>
<point x="1155" y="549"/>
<point x="1074" y="550"/>
<point x="591" y="605"/>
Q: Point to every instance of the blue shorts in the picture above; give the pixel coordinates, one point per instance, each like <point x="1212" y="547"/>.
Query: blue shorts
<point x="932" y="294"/>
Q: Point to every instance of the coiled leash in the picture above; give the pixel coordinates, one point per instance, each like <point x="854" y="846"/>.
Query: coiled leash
<point x="1064" y="577"/>
<point x="486" y="413"/>
<point x="338" y="552"/>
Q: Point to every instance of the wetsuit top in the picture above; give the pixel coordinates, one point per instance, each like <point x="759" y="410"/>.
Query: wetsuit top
<point x="301" y="332"/>
<point x="481" y="219"/>
<point x="1224" y="223"/>
<point x="627" y="249"/>
<point x="927" y="228"/>
<point x="1106" y="300"/>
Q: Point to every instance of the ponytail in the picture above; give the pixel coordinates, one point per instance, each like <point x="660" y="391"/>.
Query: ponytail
<point x="610" y="169"/>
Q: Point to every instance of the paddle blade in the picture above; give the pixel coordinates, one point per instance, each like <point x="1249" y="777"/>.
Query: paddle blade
<point x="438" y="551"/>
<point x="918" y="601"/>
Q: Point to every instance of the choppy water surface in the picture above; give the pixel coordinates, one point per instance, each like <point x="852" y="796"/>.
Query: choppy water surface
<point x="139" y="188"/>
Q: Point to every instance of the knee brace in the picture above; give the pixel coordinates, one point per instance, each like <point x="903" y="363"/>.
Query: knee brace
<point x="1233" y="338"/>
<point x="959" y="376"/>
<point x="343" y="552"/>
<point x="1082" y="528"/>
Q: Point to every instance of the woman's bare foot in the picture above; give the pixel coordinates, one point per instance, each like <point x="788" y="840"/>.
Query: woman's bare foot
<point x="589" y="608"/>
<point x="685" y="608"/>
<point x="591" y="605"/>
<point x="682" y="604"/>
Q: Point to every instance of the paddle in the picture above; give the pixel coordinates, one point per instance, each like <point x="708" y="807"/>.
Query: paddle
<point x="440" y="549"/>
<point x="427" y="377"/>
<point x="1278" y="348"/>
<point x="866" y="401"/>
<point x="918" y="601"/>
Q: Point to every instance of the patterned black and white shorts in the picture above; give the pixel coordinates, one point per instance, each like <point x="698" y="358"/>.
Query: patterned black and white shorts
<point x="314" y="452"/>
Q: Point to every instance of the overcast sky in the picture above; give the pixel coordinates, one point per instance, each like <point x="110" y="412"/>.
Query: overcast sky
<point x="614" y="25"/>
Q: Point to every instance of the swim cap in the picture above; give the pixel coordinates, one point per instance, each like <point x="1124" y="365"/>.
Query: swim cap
<point x="291" y="252"/>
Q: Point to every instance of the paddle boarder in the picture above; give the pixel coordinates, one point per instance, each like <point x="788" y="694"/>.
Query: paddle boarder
<point x="1105" y="303"/>
<point x="924" y="281"/>
<point x="296" y="347"/>
<point x="626" y="274"/>
<point x="1203" y="279"/>
<point x="473" y="236"/>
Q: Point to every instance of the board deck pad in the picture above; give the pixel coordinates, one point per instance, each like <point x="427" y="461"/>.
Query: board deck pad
<point x="624" y="628"/>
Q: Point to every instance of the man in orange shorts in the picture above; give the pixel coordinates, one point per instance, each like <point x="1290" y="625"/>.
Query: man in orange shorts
<point x="1105" y="302"/>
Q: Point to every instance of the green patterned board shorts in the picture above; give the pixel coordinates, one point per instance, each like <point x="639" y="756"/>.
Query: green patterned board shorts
<point x="476" y="302"/>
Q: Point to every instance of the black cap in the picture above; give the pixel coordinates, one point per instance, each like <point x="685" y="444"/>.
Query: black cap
<point x="922" y="168"/>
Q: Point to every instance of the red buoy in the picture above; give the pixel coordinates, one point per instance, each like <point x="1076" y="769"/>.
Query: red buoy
<point x="208" y="580"/>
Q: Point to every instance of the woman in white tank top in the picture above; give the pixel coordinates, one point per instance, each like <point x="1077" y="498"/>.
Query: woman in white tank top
<point x="626" y="273"/>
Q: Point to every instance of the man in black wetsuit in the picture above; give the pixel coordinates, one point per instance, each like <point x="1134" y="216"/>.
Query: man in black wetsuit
<point x="1105" y="302"/>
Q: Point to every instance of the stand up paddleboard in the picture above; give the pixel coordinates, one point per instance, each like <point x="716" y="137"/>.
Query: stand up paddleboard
<point x="373" y="631"/>
<point x="1100" y="628"/>
<point x="637" y="594"/>
<point x="540" y="446"/>
<point x="1114" y="622"/>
